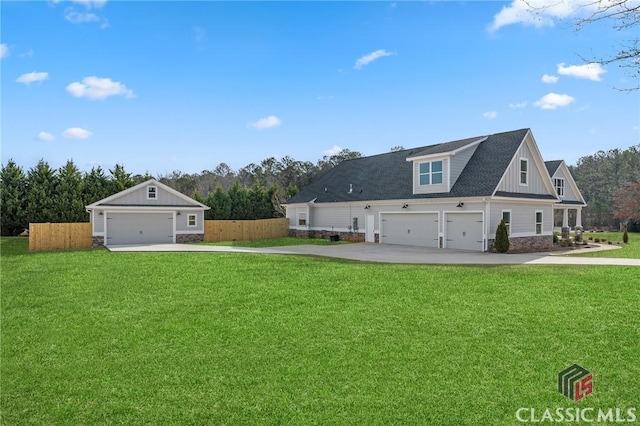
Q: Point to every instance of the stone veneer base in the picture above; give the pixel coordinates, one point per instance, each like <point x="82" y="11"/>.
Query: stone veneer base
<point x="354" y="237"/>
<point x="189" y="238"/>
<point x="527" y="244"/>
<point x="98" y="242"/>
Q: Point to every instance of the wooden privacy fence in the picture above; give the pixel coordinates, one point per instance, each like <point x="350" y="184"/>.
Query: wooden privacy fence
<point x="55" y="236"/>
<point x="245" y="230"/>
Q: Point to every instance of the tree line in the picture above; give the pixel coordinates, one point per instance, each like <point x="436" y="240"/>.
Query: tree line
<point x="609" y="182"/>
<point x="256" y="191"/>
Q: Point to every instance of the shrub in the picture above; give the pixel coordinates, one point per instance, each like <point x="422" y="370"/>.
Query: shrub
<point x="591" y="238"/>
<point x="597" y="240"/>
<point x="555" y="237"/>
<point x="625" y="236"/>
<point x="502" y="238"/>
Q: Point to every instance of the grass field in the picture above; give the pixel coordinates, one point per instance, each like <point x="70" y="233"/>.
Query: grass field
<point x="630" y="250"/>
<point x="92" y="337"/>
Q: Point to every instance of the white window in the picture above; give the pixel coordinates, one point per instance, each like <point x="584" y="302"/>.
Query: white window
<point x="538" y="222"/>
<point x="431" y="173"/>
<point x="559" y="184"/>
<point x="524" y="171"/>
<point x="152" y="192"/>
<point x="192" y="220"/>
<point x="506" y="216"/>
<point x="302" y="219"/>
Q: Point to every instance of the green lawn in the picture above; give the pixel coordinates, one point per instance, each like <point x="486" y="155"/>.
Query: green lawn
<point x="93" y="337"/>
<point x="630" y="250"/>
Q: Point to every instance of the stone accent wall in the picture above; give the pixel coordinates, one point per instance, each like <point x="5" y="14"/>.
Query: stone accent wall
<point x="355" y="237"/>
<point x="98" y="241"/>
<point x="527" y="244"/>
<point x="189" y="238"/>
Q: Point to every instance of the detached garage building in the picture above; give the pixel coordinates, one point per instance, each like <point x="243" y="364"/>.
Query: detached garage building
<point x="449" y="195"/>
<point x="148" y="213"/>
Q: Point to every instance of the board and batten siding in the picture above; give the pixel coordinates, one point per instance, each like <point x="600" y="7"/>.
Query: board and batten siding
<point x="511" y="180"/>
<point x="569" y="195"/>
<point x="459" y="162"/>
<point x="431" y="189"/>
<point x="98" y="221"/>
<point x="523" y="218"/>
<point x="139" y="197"/>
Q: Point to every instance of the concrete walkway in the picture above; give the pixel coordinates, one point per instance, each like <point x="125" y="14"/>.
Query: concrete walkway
<point x="383" y="253"/>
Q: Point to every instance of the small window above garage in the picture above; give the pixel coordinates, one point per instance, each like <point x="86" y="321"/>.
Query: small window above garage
<point x="152" y="192"/>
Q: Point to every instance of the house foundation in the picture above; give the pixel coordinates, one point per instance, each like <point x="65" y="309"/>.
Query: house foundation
<point x="98" y="241"/>
<point x="189" y="238"/>
<point x="527" y="244"/>
<point x="354" y="237"/>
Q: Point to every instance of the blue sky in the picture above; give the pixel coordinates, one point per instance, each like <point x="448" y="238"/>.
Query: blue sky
<point x="164" y="86"/>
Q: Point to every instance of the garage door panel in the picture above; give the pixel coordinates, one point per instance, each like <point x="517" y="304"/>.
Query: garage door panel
<point x="139" y="228"/>
<point x="464" y="231"/>
<point x="412" y="229"/>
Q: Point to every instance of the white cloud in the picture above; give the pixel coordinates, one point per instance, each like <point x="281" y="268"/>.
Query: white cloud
<point x="44" y="136"/>
<point x="553" y="101"/>
<point x="32" y="77"/>
<point x="27" y="54"/>
<point x="490" y="115"/>
<point x="76" y="133"/>
<point x="76" y="17"/>
<point x="518" y="105"/>
<point x="267" y="122"/>
<point x="333" y="151"/>
<point x="4" y="50"/>
<point x="98" y="88"/>
<point x="367" y="59"/>
<point x="550" y="79"/>
<point x="540" y="13"/>
<point x="592" y="71"/>
<point x="91" y="3"/>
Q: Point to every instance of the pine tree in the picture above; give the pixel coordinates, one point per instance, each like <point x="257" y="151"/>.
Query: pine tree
<point x="220" y="204"/>
<point x="120" y="179"/>
<point x="259" y="202"/>
<point x="501" y="243"/>
<point x="96" y="186"/>
<point x="240" y="208"/>
<point x="69" y="205"/>
<point x="41" y="194"/>
<point x="12" y="200"/>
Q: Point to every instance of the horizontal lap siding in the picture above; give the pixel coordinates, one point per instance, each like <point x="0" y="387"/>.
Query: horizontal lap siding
<point x="523" y="220"/>
<point x="139" y="197"/>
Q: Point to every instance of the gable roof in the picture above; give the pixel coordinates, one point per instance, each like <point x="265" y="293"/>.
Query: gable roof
<point x="447" y="147"/>
<point x="110" y="200"/>
<point x="552" y="166"/>
<point x="389" y="176"/>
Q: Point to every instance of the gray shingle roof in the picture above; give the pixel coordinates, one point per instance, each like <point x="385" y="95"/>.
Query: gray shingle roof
<point x="552" y="166"/>
<point x="389" y="176"/>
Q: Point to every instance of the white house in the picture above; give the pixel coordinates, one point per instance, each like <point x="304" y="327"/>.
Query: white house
<point x="448" y="195"/>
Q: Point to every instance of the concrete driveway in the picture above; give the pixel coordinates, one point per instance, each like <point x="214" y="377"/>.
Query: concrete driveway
<point x="386" y="253"/>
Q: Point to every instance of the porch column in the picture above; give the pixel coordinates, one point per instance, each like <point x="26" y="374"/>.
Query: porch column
<point x="565" y="218"/>
<point x="579" y="217"/>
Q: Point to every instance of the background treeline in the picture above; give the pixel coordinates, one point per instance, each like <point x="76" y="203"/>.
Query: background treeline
<point x="256" y="191"/>
<point x="609" y="181"/>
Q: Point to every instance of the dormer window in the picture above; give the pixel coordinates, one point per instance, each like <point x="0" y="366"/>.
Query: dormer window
<point x="559" y="184"/>
<point x="524" y="171"/>
<point x="152" y="192"/>
<point x="431" y="173"/>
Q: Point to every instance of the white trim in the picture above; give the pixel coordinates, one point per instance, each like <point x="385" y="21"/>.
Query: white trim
<point x="150" y="208"/>
<point x="555" y="186"/>
<point x="172" y="212"/>
<point x="430" y="173"/>
<point x="154" y="192"/>
<point x="444" y="229"/>
<point x="195" y="220"/>
<point x="190" y="232"/>
<point x="502" y="218"/>
<point x="535" y="222"/>
<point x="447" y="153"/>
<point x="526" y="160"/>
<point x="160" y="185"/>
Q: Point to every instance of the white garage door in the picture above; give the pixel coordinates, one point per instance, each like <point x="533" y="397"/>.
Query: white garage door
<point x="410" y="229"/>
<point x="464" y="231"/>
<point x="139" y="228"/>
